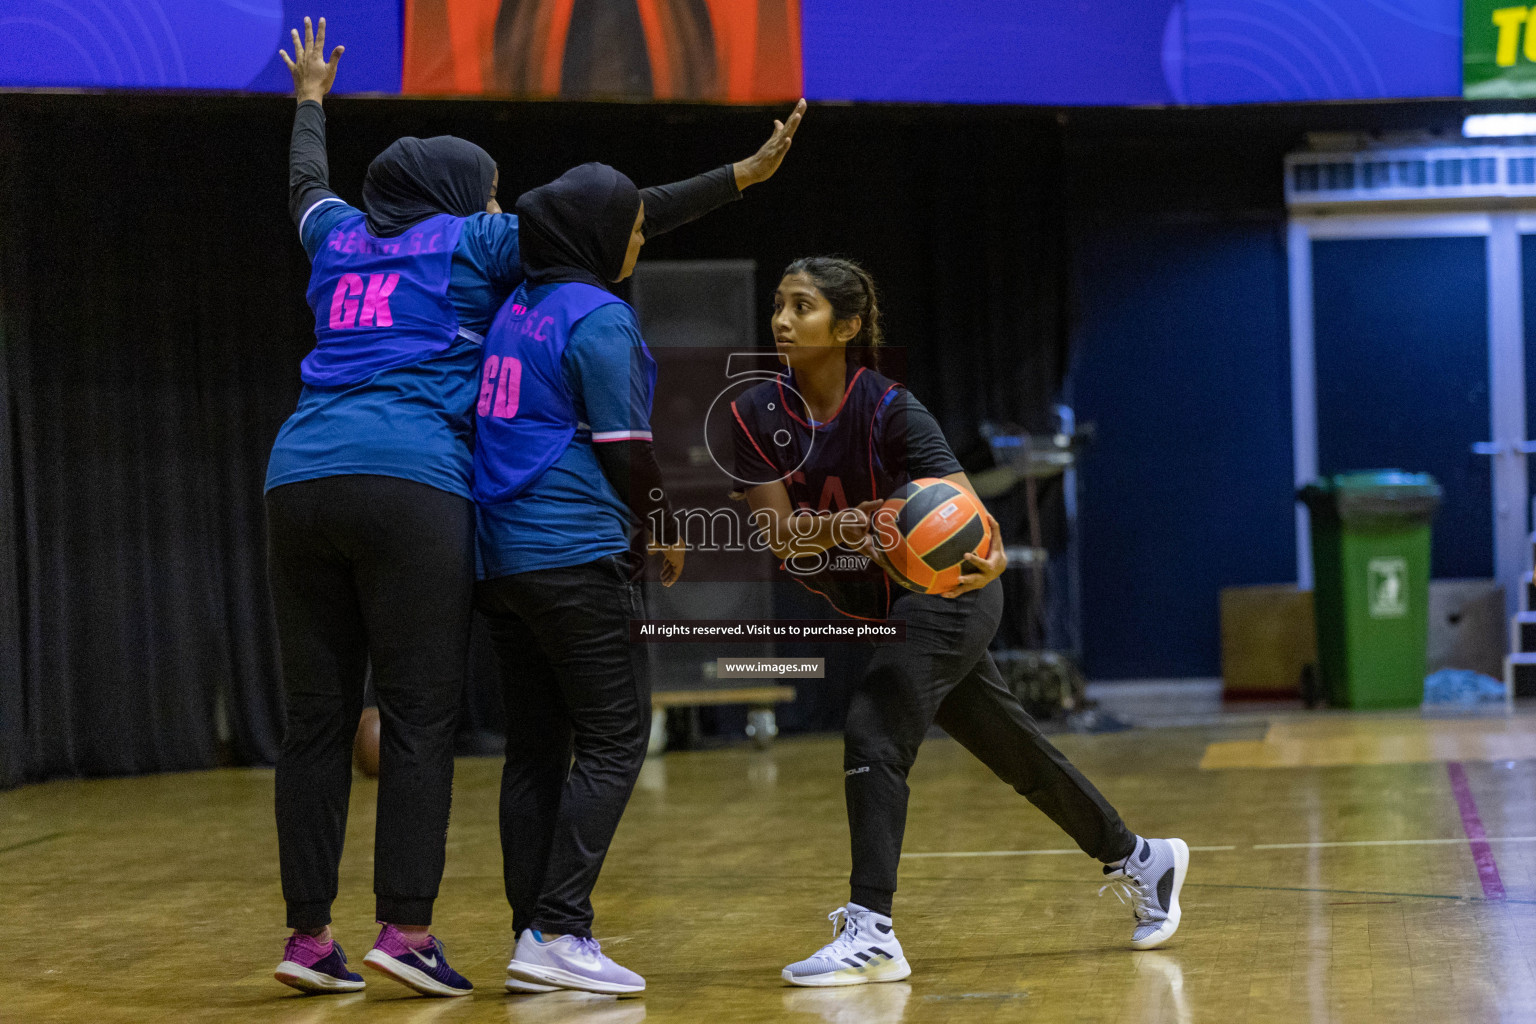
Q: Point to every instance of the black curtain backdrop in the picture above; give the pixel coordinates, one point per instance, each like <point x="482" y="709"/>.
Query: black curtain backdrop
<point x="153" y="312"/>
<point x="153" y="318"/>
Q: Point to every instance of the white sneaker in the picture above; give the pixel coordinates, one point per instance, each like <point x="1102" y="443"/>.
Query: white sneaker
<point x="1150" y="880"/>
<point x="863" y="949"/>
<point x="567" y="962"/>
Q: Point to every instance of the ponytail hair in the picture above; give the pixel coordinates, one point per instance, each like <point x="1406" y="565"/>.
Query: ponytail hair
<point x="850" y="290"/>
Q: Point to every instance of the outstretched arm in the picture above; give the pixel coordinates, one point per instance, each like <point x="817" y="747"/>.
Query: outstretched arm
<point x="671" y="206"/>
<point x="308" y="169"/>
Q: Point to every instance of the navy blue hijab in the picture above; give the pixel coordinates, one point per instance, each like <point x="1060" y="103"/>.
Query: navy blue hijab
<point x="419" y="178"/>
<point x="577" y="227"/>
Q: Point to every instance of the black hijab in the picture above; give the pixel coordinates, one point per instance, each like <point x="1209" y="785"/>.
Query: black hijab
<point x="419" y="178"/>
<point x="577" y="227"/>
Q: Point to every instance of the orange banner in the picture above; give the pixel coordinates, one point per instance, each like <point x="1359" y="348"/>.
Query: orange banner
<point x="730" y="51"/>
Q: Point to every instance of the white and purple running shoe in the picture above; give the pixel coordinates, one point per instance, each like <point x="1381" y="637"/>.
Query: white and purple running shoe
<point x="310" y="965"/>
<point x="569" y="961"/>
<point x="424" y="969"/>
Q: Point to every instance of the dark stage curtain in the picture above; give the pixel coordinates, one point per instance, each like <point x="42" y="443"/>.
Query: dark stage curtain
<point x="154" y="319"/>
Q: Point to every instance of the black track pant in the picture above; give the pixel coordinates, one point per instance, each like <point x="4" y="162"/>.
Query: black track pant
<point x="368" y="569"/>
<point x="578" y="698"/>
<point x="943" y="674"/>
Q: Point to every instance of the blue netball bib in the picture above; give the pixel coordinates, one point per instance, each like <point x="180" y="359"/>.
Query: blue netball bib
<point x="380" y="303"/>
<point x="526" y="415"/>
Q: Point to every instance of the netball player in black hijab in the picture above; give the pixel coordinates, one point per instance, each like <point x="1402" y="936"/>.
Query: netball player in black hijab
<point x="563" y="472"/>
<point x="419" y="178"/>
<point x="369" y="515"/>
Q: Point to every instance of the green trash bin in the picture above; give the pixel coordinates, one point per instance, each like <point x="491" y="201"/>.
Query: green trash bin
<point x="1370" y="567"/>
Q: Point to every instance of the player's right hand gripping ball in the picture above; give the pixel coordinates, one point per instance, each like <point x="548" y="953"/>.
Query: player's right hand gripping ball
<point x="925" y="530"/>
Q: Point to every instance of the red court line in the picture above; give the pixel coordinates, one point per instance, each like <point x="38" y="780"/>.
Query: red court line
<point x="1477" y="838"/>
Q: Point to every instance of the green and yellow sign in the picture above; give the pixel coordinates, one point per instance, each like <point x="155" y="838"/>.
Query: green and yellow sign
<point x="1498" y="50"/>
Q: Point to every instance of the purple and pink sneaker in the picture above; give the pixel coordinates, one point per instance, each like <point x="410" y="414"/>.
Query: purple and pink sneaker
<point x="424" y="968"/>
<point x="569" y="961"/>
<point x="314" y="966"/>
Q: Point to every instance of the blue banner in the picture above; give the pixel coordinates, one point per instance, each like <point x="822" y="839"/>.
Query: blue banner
<point x="189" y="44"/>
<point x="1130" y="52"/>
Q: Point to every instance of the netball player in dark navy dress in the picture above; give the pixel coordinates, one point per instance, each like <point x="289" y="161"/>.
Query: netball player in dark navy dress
<point x="370" y="520"/>
<point x="815" y="452"/>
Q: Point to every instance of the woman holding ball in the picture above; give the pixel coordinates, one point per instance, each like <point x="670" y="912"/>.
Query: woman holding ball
<point x="816" y="451"/>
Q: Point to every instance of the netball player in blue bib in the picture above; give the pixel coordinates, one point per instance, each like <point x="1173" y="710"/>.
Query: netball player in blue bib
<point x="370" y="520"/>
<point x="563" y="465"/>
<point x="825" y="444"/>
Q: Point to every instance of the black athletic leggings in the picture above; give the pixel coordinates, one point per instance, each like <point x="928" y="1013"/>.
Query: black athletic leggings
<point x="578" y="698"/>
<point x="368" y="569"/>
<point x="943" y="674"/>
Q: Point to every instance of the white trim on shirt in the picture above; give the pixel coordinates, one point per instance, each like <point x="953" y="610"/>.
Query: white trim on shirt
<point x="314" y="206"/>
<point x="599" y="436"/>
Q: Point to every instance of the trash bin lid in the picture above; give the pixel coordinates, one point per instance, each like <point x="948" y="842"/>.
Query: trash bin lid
<point x="1386" y="483"/>
<point x="1375" y="497"/>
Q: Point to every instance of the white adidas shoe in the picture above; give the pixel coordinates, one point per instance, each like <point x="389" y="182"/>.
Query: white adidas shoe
<point x="863" y="950"/>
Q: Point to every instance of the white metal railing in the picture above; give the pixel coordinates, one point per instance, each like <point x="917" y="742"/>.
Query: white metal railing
<point x="1419" y="172"/>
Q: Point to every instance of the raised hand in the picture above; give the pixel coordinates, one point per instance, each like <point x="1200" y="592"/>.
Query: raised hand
<point x="313" y="75"/>
<point x="760" y="166"/>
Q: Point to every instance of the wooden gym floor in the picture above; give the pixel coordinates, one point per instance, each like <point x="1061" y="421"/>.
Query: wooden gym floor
<point x="1348" y="868"/>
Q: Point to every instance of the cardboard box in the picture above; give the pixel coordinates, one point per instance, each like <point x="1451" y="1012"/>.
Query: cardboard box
<point x="1267" y="640"/>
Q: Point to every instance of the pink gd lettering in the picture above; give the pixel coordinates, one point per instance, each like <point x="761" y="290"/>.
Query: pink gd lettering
<point x="500" y="387"/>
